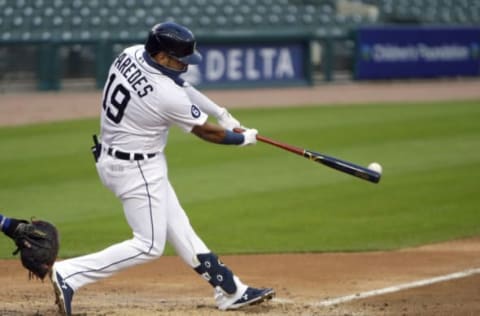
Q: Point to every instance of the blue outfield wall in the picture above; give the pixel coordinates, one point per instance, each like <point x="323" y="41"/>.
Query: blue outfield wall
<point x="245" y="60"/>
<point x="416" y="52"/>
<point x="241" y="64"/>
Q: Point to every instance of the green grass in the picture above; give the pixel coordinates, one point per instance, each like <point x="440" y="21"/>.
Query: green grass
<point x="263" y="199"/>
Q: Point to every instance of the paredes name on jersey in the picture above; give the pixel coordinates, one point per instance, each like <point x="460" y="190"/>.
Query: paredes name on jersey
<point x="133" y="75"/>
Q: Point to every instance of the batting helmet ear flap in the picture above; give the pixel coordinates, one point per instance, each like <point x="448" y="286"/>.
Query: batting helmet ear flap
<point x="175" y="40"/>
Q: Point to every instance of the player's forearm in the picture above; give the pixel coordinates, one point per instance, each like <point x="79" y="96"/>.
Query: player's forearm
<point x="9" y="225"/>
<point x="224" y="118"/>
<point x="216" y="134"/>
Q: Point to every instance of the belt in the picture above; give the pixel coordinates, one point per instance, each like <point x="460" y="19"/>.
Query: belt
<point x="129" y="156"/>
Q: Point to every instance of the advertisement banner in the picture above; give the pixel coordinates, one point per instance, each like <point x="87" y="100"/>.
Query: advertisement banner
<point x="417" y="52"/>
<point x="249" y="65"/>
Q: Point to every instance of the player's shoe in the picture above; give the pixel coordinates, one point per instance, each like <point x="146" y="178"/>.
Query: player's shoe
<point x="63" y="293"/>
<point x="251" y="296"/>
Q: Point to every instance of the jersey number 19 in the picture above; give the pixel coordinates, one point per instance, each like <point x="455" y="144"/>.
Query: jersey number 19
<point x="115" y="103"/>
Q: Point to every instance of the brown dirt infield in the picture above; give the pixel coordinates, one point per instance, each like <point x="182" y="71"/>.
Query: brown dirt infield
<point x="303" y="281"/>
<point x="167" y="287"/>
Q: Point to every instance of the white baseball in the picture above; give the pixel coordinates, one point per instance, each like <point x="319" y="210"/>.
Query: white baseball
<point x="375" y="166"/>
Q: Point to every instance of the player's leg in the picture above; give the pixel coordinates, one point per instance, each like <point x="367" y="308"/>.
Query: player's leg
<point x="142" y="189"/>
<point x="229" y="289"/>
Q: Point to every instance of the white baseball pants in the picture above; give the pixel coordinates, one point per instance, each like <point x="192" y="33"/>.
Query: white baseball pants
<point x="153" y="212"/>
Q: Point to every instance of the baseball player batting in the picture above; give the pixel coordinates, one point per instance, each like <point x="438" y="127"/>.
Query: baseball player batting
<point x="143" y="97"/>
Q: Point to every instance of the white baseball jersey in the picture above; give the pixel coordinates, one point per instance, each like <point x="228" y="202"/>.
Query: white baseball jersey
<point x="141" y="102"/>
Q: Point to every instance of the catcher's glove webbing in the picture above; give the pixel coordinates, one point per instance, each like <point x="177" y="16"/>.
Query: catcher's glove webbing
<point x="38" y="245"/>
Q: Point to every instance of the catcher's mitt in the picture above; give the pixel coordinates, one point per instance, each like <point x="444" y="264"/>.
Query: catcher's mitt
<point x="38" y="245"/>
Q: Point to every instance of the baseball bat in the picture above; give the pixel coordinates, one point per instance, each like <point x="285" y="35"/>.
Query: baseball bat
<point x="332" y="162"/>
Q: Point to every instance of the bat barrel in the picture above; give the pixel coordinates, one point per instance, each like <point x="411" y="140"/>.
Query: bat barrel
<point x="344" y="166"/>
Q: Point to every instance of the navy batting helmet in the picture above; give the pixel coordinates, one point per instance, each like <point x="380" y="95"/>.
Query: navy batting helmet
<point x="175" y="40"/>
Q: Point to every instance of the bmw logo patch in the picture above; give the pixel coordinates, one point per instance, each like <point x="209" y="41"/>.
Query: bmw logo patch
<point x="195" y="111"/>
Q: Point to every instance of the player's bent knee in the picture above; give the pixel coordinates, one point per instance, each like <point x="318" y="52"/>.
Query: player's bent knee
<point x="149" y="247"/>
<point x="216" y="273"/>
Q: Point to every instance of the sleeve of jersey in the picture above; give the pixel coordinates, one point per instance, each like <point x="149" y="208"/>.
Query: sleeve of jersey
<point x="203" y="102"/>
<point x="185" y="114"/>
